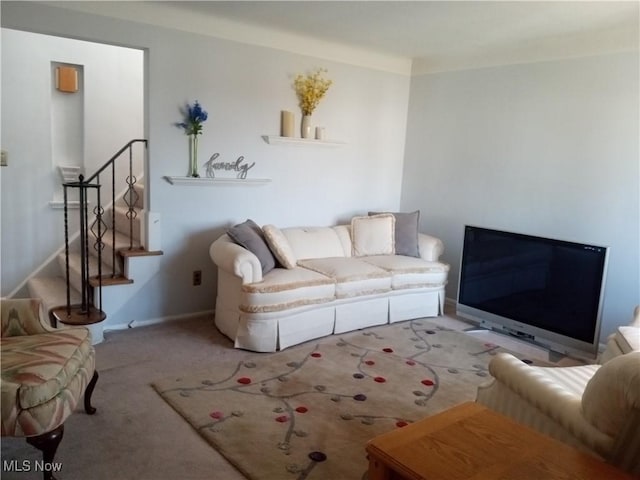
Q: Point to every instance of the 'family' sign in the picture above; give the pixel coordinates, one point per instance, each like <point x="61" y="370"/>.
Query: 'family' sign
<point x="238" y="166"/>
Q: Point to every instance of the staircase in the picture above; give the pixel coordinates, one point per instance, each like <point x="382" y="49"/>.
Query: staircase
<point x="101" y="267"/>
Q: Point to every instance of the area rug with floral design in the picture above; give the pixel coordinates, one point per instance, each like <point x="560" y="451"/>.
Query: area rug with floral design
<point x="307" y="412"/>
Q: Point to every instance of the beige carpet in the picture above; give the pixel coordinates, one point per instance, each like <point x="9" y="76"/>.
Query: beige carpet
<point x="307" y="412"/>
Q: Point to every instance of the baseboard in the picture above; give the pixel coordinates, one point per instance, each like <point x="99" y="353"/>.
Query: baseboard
<point x="450" y="302"/>
<point x="155" y="321"/>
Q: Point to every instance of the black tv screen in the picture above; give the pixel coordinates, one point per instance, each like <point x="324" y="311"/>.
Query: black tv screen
<point x="544" y="290"/>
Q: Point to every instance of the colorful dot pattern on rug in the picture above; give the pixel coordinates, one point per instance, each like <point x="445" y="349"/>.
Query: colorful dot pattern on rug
<point x="308" y="412"/>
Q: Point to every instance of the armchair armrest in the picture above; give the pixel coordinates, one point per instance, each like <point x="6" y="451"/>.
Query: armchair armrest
<point x="430" y="247"/>
<point x="235" y="259"/>
<point x="23" y="316"/>
<point x="549" y="397"/>
<point x="532" y="385"/>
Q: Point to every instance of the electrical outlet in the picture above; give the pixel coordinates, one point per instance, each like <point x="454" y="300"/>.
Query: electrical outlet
<point x="4" y="158"/>
<point x="197" y="277"/>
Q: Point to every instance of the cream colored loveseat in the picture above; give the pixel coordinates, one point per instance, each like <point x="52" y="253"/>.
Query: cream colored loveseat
<point x="593" y="407"/>
<point x="325" y="285"/>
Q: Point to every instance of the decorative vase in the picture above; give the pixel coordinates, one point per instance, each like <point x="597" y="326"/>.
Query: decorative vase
<point x="305" y="130"/>
<point x="193" y="156"/>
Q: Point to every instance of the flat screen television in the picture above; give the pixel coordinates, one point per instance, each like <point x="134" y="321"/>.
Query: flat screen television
<point x="546" y="291"/>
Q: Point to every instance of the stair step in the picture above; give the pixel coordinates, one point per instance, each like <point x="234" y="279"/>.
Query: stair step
<point x="77" y="315"/>
<point x="138" y="196"/>
<point x="122" y="242"/>
<point x="52" y="291"/>
<point x="139" y="188"/>
<point x="123" y="223"/>
<point x="141" y="252"/>
<point x="75" y="272"/>
<point x="75" y="268"/>
<point x="110" y="280"/>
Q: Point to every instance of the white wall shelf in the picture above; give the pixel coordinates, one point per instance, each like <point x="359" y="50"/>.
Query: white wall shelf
<point x="71" y="204"/>
<point x="209" y="182"/>
<point x="277" y="140"/>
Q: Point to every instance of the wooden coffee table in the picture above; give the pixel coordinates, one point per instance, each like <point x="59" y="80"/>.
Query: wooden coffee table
<point x="470" y="441"/>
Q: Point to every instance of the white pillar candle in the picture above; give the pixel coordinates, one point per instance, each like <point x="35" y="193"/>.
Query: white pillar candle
<point x="287" y="122"/>
<point x="319" y="133"/>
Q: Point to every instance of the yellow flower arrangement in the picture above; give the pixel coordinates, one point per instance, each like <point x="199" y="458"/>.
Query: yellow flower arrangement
<point x="310" y="89"/>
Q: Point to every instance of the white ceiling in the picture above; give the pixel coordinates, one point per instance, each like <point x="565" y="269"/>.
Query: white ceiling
<point x="430" y="35"/>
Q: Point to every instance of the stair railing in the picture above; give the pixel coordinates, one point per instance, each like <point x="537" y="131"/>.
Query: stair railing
<point x="91" y="235"/>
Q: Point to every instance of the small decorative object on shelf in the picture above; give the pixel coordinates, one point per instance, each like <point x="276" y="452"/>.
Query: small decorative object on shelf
<point x="310" y="88"/>
<point x="287" y="121"/>
<point x="319" y="133"/>
<point x="194" y="117"/>
<point x="305" y="127"/>
<point x="238" y="166"/>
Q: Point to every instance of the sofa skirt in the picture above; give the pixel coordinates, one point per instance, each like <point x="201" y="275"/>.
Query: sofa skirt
<point x="361" y="314"/>
<point x="410" y="304"/>
<point x="273" y="331"/>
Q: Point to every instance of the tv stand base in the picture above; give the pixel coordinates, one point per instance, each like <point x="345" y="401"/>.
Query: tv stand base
<point x="552" y="355"/>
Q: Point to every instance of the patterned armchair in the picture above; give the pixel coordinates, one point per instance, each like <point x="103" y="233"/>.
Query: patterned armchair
<point x="44" y="372"/>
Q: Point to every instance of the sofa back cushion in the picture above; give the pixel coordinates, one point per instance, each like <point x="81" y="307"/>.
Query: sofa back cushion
<point x="612" y="393"/>
<point x="314" y="242"/>
<point x="373" y="235"/>
<point x="279" y="245"/>
<point x="406" y="232"/>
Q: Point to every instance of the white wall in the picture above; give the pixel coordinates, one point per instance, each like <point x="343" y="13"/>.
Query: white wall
<point x="243" y="88"/>
<point x="548" y="149"/>
<point x="110" y="104"/>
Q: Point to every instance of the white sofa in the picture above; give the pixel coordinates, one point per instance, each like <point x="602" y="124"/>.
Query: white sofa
<point x="593" y="407"/>
<point x="326" y="284"/>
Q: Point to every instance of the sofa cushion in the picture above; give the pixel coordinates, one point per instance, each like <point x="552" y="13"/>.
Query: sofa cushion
<point x="249" y="235"/>
<point x="411" y="272"/>
<point x="613" y="393"/>
<point x="406" y="232"/>
<point x="314" y="242"/>
<point x="42" y="365"/>
<point x="279" y="245"/>
<point x="373" y="235"/>
<point x="353" y="276"/>
<point x="344" y="235"/>
<point x="284" y="289"/>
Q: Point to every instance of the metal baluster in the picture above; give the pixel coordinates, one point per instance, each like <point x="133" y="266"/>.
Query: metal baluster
<point x="100" y="244"/>
<point x="83" y="243"/>
<point x="113" y="220"/>
<point x="131" y="212"/>
<point x="66" y="248"/>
